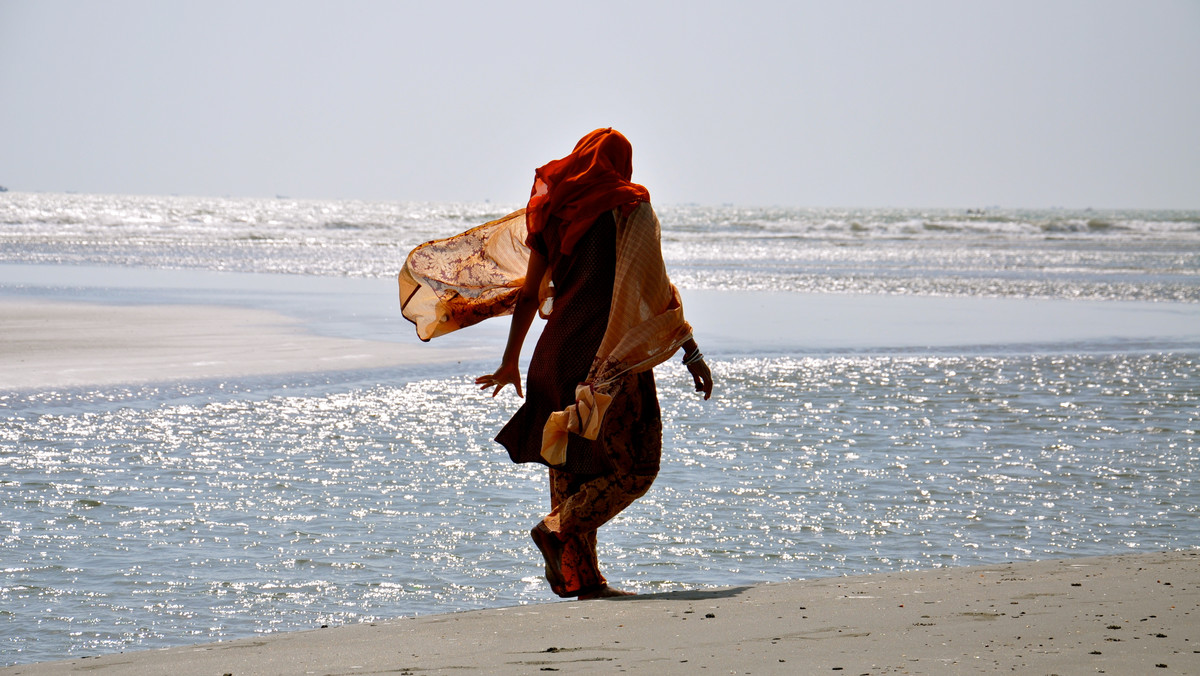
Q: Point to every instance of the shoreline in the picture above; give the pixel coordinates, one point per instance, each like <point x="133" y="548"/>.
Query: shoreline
<point x="1119" y="614"/>
<point x="65" y="327"/>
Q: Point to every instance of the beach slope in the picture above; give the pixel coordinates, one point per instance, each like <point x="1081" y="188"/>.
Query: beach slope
<point x="1125" y="614"/>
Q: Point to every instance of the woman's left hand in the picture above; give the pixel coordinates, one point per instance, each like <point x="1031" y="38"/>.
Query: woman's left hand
<point x="702" y="377"/>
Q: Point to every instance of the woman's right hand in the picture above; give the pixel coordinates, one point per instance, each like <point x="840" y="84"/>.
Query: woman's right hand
<point x="507" y="374"/>
<point x="702" y="377"/>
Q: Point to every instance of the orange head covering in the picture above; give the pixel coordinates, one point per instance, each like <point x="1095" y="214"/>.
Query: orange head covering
<point x="593" y="179"/>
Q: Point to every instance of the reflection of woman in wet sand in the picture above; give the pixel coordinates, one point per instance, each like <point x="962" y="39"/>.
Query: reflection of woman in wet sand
<point x="592" y="412"/>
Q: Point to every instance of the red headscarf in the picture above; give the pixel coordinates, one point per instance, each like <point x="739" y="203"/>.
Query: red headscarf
<point x="593" y="179"/>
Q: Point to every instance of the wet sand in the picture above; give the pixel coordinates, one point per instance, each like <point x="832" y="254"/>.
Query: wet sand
<point x="49" y="344"/>
<point x="1125" y="614"/>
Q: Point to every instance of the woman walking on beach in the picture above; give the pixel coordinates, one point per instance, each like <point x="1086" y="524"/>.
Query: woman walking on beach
<point x="592" y="411"/>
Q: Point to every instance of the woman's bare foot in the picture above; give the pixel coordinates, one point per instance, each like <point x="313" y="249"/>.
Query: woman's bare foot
<point x="551" y="548"/>
<point x="605" y="592"/>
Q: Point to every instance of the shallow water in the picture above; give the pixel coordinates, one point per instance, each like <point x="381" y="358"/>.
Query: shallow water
<point x="164" y="515"/>
<point x="915" y="427"/>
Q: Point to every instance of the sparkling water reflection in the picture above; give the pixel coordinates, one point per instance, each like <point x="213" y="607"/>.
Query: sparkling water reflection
<point x="160" y="516"/>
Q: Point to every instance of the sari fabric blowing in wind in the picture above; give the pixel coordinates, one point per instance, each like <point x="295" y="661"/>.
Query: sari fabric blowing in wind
<point x="452" y="283"/>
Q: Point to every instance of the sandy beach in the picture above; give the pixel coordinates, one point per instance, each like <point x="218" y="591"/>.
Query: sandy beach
<point x="48" y="344"/>
<point x="1127" y="614"/>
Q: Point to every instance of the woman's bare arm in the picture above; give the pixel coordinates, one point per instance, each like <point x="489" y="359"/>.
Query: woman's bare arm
<point x="509" y="372"/>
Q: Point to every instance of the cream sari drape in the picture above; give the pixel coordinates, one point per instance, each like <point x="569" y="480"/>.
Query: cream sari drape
<point x="645" y="327"/>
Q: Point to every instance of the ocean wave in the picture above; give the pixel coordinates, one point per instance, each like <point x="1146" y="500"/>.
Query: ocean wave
<point x="1154" y="252"/>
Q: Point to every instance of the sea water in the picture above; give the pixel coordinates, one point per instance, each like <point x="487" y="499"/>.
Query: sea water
<point x="170" y="513"/>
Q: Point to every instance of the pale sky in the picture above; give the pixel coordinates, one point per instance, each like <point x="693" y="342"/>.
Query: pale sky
<point x="856" y="104"/>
